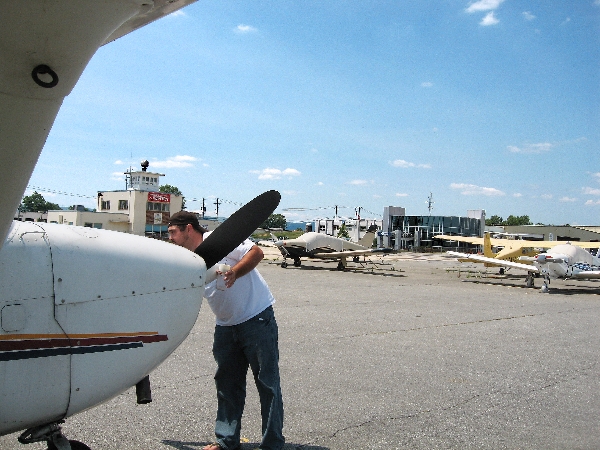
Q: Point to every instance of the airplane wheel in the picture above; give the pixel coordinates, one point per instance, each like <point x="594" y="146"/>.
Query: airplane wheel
<point x="356" y="259"/>
<point x="284" y="264"/>
<point x="75" y="445"/>
<point x="297" y="263"/>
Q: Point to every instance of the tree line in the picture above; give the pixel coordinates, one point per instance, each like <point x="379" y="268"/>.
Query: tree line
<point x="510" y="221"/>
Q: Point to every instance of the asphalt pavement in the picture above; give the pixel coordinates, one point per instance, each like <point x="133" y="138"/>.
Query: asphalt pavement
<point x="415" y="352"/>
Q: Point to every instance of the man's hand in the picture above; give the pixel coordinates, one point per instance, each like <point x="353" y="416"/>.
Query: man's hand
<point x="244" y="266"/>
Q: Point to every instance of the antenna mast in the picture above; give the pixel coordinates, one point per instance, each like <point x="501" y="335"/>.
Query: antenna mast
<point x="430" y="202"/>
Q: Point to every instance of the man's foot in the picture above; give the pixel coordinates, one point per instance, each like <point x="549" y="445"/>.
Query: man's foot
<point x="214" y="446"/>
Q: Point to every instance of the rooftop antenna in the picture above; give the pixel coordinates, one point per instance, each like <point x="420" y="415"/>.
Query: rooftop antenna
<point x="430" y="202"/>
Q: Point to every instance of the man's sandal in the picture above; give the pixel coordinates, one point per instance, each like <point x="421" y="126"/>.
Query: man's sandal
<point x="213" y="446"/>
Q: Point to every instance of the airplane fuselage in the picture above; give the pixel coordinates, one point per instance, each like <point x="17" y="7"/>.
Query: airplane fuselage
<point x="85" y="314"/>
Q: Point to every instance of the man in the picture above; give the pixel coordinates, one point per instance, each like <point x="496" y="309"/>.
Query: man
<point x="245" y="336"/>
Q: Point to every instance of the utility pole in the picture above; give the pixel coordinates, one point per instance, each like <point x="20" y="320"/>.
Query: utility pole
<point x="217" y="203"/>
<point x="203" y="208"/>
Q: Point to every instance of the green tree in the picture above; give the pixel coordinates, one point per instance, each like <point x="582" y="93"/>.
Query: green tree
<point x="343" y="232"/>
<point x="36" y="203"/>
<point x="275" y="221"/>
<point x="517" y="220"/>
<point x="168" y="189"/>
<point x="494" y="221"/>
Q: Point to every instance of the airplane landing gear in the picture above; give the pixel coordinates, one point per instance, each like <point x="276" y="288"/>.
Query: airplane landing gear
<point x="52" y="434"/>
<point x="297" y="263"/>
<point x="545" y="285"/>
<point x="529" y="280"/>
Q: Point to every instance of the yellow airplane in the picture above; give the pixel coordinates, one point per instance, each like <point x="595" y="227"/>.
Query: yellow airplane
<point x="512" y="249"/>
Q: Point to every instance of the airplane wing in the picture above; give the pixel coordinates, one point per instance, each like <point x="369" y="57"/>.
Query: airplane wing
<point x="464" y="257"/>
<point x="336" y="255"/>
<point x="470" y="240"/>
<point x="156" y="10"/>
<point x="517" y="243"/>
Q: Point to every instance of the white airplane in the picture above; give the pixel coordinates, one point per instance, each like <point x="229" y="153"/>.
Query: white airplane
<point x="85" y="314"/>
<point x="323" y="246"/>
<point x="562" y="261"/>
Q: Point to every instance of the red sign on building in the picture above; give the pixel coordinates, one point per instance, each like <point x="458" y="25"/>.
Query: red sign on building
<point x="159" y="197"/>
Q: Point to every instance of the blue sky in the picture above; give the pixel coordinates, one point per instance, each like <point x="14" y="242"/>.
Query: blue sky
<point x="492" y="104"/>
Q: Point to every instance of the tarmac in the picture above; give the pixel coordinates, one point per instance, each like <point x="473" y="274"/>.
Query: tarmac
<point x="408" y="351"/>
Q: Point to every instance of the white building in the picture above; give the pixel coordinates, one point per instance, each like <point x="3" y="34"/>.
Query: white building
<point x="139" y="209"/>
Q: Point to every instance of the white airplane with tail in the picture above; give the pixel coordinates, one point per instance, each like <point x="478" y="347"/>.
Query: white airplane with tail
<point x="563" y="261"/>
<point x="84" y="314"/>
<point x="323" y="246"/>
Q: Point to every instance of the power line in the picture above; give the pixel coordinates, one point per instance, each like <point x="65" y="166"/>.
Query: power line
<point x="52" y="191"/>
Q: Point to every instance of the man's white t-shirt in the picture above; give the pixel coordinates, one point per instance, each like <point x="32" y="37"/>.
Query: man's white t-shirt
<point x="249" y="295"/>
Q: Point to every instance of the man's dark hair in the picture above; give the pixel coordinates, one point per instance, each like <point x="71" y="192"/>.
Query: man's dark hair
<point x="182" y="218"/>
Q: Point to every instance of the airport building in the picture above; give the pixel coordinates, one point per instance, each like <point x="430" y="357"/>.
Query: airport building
<point x="402" y="232"/>
<point x="551" y="232"/>
<point x="138" y="209"/>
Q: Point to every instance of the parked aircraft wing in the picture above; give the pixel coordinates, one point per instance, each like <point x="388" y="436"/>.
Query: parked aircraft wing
<point x="469" y="240"/>
<point x="335" y="255"/>
<point x="495" y="261"/>
<point x="517" y="243"/>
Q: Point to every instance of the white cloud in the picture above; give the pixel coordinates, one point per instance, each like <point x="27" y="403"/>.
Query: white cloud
<point x="471" y="189"/>
<point x="597" y="174"/>
<point x="531" y="148"/>
<point x="358" y="182"/>
<point x="118" y="162"/>
<point x="244" y="29"/>
<point x="175" y="162"/>
<point x="117" y="176"/>
<point x="483" y="5"/>
<point x="426" y="84"/>
<point x="591" y="191"/>
<point x="567" y="199"/>
<point x="405" y="164"/>
<point x="517" y="195"/>
<point x="489" y="19"/>
<point x="398" y="194"/>
<point x="592" y="202"/>
<point x="546" y="196"/>
<point x="527" y="15"/>
<point x="275" y="174"/>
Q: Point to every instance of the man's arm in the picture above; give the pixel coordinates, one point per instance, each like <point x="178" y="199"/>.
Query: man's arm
<point x="249" y="261"/>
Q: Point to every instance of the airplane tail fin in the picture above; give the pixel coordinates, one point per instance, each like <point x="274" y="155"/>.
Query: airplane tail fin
<point x="487" y="246"/>
<point x="367" y="239"/>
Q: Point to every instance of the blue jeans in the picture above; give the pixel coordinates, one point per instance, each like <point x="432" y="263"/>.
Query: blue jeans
<point x="253" y="344"/>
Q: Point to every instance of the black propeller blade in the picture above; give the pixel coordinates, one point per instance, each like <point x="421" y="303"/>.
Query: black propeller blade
<point x="237" y="227"/>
